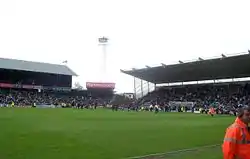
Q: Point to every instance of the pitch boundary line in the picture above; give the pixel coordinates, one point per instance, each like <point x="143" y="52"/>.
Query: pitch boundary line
<point x="172" y="152"/>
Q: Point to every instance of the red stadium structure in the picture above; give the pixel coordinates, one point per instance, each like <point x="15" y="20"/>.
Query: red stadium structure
<point x="94" y="85"/>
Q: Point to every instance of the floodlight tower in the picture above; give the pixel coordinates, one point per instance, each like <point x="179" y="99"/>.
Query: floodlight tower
<point x="103" y="42"/>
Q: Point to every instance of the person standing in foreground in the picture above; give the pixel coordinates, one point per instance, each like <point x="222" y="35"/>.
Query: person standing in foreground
<point x="237" y="139"/>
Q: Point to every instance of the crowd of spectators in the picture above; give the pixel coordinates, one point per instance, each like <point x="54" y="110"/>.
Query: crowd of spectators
<point x="231" y="95"/>
<point x="20" y="97"/>
<point x="224" y="95"/>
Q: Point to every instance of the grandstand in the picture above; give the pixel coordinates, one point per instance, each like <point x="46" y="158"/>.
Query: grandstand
<point x="223" y="69"/>
<point x="34" y="75"/>
<point x="25" y="83"/>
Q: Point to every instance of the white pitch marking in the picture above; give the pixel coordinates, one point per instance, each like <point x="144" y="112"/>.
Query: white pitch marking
<point x="171" y="152"/>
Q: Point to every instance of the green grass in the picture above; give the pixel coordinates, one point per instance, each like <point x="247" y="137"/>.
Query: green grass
<point x="103" y="134"/>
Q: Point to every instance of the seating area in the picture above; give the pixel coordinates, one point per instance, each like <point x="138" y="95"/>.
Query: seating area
<point x="223" y="95"/>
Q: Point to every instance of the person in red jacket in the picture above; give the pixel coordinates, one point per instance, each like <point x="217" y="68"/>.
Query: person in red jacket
<point x="211" y="111"/>
<point x="236" y="143"/>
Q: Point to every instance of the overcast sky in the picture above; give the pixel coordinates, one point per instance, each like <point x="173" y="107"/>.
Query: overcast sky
<point x="141" y="32"/>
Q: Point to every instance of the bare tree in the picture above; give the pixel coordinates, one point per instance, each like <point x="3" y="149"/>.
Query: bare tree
<point x="78" y="86"/>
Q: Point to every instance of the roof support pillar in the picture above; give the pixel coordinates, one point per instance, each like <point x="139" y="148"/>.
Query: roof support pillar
<point x="57" y="80"/>
<point x="141" y="88"/>
<point x="135" y="88"/>
<point x="148" y="88"/>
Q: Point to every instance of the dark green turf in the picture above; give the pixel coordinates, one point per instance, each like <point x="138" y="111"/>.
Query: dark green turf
<point x="27" y="133"/>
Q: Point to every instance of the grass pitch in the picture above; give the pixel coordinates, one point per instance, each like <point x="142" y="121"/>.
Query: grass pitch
<point x="103" y="134"/>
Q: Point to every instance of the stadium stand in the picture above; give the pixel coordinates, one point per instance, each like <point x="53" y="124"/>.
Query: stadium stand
<point x="25" y="83"/>
<point x="200" y="84"/>
<point x="219" y="68"/>
<point x="34" y="74"/>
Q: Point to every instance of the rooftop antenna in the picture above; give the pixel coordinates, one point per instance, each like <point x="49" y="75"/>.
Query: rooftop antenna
<point x="65" y="62"/>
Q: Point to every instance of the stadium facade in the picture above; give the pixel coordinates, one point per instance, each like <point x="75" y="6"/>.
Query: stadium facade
<point x="231" y="68"/>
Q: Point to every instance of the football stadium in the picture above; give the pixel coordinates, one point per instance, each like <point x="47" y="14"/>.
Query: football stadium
<point x="167" y="116"/>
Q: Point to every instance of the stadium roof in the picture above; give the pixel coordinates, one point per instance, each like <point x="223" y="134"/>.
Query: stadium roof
<point x="35" y="67"/>
<point x="212" y="69"/>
